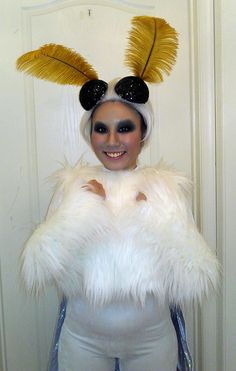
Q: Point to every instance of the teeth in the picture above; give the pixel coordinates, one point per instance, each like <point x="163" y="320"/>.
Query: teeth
<point x="114" y="154"/>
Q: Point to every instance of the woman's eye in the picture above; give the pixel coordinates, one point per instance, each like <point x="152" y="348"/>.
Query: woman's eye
<point x="100" y="128"/>
<point x="127" y="128"/>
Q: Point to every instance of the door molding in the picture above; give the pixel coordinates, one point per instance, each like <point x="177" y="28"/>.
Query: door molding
<point x="3" y="354"/>
<point x="207" y="347"/>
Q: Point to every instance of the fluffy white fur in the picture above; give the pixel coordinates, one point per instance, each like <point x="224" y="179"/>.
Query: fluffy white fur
<point x="118" y="247"/>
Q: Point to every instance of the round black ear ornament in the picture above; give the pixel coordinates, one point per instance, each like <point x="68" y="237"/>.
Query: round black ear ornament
<point x="133" y="89"/>
<point x="91" y="93"/>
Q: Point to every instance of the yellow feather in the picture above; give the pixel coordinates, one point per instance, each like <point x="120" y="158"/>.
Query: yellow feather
<point x="152" y="48"/>
<point x="58" y="64"/>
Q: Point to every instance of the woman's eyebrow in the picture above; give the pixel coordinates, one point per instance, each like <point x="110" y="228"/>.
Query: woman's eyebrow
<point x="126" y="126"/>
<point x="96" y="123"/>
<point x="125" y="122"/>
<point x="118" y="123"/>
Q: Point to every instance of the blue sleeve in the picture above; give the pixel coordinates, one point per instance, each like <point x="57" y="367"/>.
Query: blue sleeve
<point x="184" y="356"/>
<point x="53" y="360"/>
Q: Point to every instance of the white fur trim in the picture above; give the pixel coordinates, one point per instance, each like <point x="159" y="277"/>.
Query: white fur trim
<point x="118" y="247"/>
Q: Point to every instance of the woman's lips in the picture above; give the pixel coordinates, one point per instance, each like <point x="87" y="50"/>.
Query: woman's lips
<point x="115" y="154"/>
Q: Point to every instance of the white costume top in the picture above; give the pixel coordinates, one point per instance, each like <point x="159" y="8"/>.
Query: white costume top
<point x="120" y="263"/>
<point x="117" y="248"/>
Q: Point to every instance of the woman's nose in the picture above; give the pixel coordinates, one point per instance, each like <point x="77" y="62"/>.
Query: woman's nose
<point x="113" y="138"/>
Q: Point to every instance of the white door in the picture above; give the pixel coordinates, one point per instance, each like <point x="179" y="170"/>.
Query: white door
<point x="40" y="127"/>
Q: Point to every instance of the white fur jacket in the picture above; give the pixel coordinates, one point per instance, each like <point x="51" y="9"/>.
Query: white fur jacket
<point x="119" y="247"/>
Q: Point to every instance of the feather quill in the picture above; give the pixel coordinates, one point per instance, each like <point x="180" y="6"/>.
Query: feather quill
<point x="57" y="63"/>
<point x="152" y="48"/>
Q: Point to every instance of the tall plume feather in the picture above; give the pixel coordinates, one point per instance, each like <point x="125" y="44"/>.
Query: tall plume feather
<point x="58" y="64"/>
<point x="152" y="48"/>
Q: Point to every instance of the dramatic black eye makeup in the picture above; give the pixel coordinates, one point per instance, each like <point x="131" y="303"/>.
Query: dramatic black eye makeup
<point x="123" y="127"/>
<point x="126" y="126"/>
<point x="100" y="127"/>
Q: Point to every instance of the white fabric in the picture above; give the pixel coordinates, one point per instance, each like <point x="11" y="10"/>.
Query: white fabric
<point x="142" y="337"/>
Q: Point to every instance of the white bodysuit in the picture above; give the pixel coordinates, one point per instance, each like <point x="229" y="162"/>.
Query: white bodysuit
<point x="120" y="263"/>
<point x="143" y="338"/>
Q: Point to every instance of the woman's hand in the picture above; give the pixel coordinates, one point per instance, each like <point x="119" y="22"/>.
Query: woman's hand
<point x="141" y="197"/>
<point x="96" y="187"/>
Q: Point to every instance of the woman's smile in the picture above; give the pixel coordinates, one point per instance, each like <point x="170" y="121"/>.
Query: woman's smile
<point x="115" y="155"/>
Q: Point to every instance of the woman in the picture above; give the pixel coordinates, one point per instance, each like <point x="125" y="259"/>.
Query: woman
<point x="119" y="241"/>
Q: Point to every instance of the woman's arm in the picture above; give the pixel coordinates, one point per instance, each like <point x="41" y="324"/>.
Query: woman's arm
<point x="182" y="261"/>
<point x="55" y="249"/>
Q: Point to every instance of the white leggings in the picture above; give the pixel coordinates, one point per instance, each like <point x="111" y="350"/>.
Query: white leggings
<point x="143" y="338"/>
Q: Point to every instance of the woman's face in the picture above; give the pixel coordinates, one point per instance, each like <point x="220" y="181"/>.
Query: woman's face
<point x="116" y="135"/>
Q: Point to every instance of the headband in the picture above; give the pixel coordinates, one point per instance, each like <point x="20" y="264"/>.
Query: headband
<point x="130" y="88"/>
<point x="151" y="52"/>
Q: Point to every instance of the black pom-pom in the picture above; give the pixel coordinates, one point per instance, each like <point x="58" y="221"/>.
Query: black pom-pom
<point x="133" y="89"/>
<point x="91" y="93"/>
